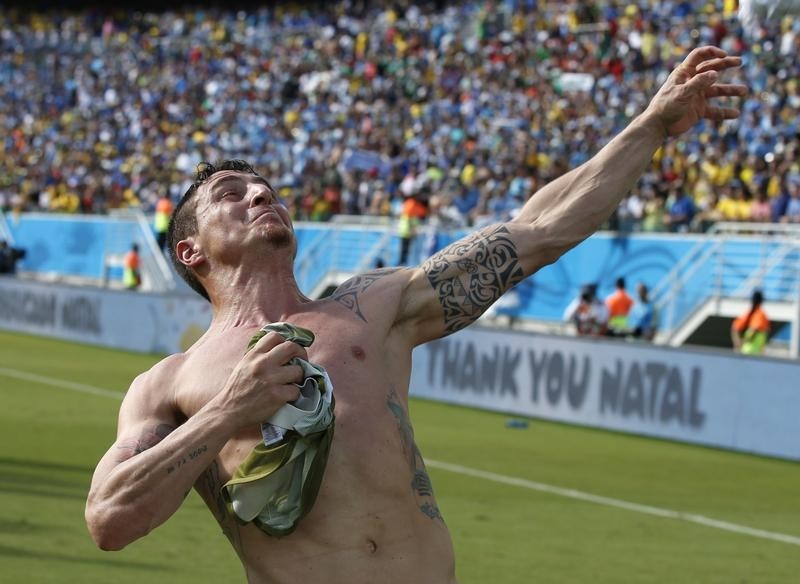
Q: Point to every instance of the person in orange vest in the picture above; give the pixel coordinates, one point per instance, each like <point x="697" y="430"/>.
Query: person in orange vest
<point x="161" y="220"/>
<point x="414" y="211"/>
<point x="750" y="332"/>
<point x="619" y="305"/>
<point x="131" y="276"/>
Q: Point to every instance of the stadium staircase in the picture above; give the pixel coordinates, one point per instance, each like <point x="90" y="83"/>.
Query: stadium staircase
<point x="132" y="225"/>
<point x="5" y="232"/>
<point x="713" y="283"/>
<point x="340" y="249"/>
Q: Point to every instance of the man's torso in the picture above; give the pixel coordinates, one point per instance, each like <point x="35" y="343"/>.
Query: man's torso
<point x="375" y="518"/>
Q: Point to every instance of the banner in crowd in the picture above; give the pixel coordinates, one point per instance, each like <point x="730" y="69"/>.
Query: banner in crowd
<point x="692" y="395"/>
<point x="149" y="323"/>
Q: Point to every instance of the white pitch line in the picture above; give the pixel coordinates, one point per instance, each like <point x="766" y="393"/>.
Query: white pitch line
<point x="482" y="474"/>
<point x="610" y="502"/>
<point x="60" y="383"/>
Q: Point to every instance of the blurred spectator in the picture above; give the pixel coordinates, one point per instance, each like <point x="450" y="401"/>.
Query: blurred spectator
<point x="414" y="211"/>
<point x="707" y="213"/>
<point x="655" y="214"/>
<point x="588" y="313"/>
<point x="750" y="331"/>
<point x="681" y="210"/>
<point x="760" y="208"/>
<point x="642" y="319"/>
<point x="631" y="212"/>
<point x="9" y="256"/>
<point x="792" y="212"/>
<point x="734" y="205"/>
<point x="161" y="220"/>
<point x="131" y="271"/>
<point x="619" y="305"/>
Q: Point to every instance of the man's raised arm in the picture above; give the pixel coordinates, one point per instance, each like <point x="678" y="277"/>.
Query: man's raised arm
<point x="456" y="285"/>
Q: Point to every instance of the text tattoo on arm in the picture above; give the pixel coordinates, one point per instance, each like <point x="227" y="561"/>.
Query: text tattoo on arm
<point x="349" y="292"/>
<point x="471" y="274"/>
<point x="191" y="455"/>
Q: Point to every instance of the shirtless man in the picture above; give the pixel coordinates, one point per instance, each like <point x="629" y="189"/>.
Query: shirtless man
<point x="191" y="419"/>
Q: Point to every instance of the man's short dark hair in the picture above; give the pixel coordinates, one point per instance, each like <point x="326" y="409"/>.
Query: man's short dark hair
<point x="183" y="222"/>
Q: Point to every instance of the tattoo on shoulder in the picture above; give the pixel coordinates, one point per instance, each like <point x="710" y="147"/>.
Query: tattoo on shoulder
<point x="147" y="440"/>
<point x="470" y="275"/>
<point x="349" y="292"/>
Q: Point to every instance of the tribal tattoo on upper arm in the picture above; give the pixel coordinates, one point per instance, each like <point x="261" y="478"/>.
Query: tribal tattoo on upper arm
<point x="471" y="274"/>
<point x="349" y="292"/>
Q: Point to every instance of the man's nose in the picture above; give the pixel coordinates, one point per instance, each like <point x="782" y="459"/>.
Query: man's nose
<point x="260" y="197"/>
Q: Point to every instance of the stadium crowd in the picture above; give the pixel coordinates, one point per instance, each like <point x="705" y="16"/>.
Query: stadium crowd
<point x="357" y="106"/>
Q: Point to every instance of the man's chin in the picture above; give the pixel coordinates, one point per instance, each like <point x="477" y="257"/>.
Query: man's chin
<point x="280" y="236"/>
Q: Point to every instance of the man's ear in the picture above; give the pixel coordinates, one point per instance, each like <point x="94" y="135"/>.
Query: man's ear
<point x="189" y="253"/>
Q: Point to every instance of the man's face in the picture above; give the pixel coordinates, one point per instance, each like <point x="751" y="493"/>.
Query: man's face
<point x="236" y="211"/>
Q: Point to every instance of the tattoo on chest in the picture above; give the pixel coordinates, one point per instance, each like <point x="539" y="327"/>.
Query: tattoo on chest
<point x="209" y="485"/>
<point x="420" y="482"/>
<point x="470" y="275"/>
<point x="349" y="293"/>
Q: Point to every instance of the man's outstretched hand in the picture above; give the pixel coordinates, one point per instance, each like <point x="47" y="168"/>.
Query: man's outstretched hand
<point x="685" y="98"/>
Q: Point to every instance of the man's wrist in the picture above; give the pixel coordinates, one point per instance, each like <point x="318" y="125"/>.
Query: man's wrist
<point x="652" y="122"/>
<point x="220" y="418"/>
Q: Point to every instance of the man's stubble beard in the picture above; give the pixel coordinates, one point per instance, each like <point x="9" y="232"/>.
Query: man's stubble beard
<point x="281" y="238"/>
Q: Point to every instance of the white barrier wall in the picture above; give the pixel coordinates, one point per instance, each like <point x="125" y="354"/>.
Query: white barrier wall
<point x="703" y="397"/>
<point x="134" y="321"/>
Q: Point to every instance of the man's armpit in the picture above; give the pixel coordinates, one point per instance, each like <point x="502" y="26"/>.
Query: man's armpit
<point x="149" y="438"/>
<point x="469" y="275"/>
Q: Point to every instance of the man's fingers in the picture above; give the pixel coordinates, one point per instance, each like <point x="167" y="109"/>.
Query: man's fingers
<point x="702" y="83"/>
<point x="290" y="374"/>
<point x="286" y="351"/>
<point x="718" y="64"/>
<point x="726" y="90"/>
<point x="289" y="392"/>
<point x="276" y="344"/>
<point x="268" y="342"/>
<point x="701" y="54"/>
<point x="721" y="113"/>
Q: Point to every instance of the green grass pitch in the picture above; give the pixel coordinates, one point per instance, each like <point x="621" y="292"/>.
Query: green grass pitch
<point x="51" y="437"/>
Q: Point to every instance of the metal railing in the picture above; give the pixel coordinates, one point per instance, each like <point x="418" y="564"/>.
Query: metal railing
<point x="733" y="261"/>
<point x="157" y="276"/>
<point x="5" y="232"/>
<point x="341" y="249"/>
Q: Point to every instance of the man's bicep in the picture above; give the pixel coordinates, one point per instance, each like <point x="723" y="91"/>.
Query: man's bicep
<point x="144" y="420"/>
<point x="458" y="284"/>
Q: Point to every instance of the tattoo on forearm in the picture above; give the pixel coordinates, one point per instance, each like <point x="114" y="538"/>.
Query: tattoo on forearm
<point x="191" y="455"/>
<point x="146" y="441"/>
<point x="420" y="482"/>
<point x="470" y="275"/>
<point x="349" y="292"/>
